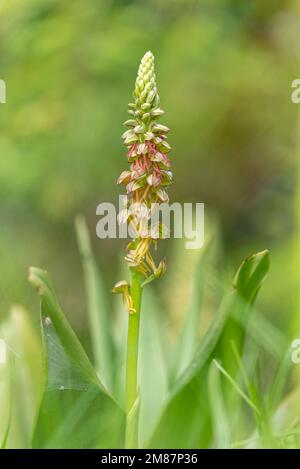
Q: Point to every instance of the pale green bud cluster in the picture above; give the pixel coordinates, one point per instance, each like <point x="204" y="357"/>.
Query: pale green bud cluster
<point x="145" y="109"/>
<point x="145" y="86"/>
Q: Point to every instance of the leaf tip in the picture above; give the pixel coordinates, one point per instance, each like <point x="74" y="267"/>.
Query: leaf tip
<point x="35" y="276"/>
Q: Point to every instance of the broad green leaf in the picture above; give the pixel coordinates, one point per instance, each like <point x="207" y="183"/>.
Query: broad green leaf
<point x="192" y="386"/>
<point x="76" y="410"/>
<point x="98" y="310"/>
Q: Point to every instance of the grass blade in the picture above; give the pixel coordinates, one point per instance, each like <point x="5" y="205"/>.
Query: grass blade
<point x="100" y="331"/>
<point x="237" y="388"/>
<point x="189" y="336"/>
<point x="221" y="427"/>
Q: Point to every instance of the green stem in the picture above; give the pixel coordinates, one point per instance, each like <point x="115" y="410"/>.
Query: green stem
<point x="132" y="360"/>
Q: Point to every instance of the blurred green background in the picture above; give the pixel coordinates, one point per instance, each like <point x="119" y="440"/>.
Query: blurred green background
<point x="224" y="72"/>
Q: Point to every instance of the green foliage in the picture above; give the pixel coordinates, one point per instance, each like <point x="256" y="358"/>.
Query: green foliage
<point x="191" y="386"/>
<point x="74" y="401"/>
<point x="208" y="396"/>
<point x="75" y="411"/>
<point x="220" y="418"/>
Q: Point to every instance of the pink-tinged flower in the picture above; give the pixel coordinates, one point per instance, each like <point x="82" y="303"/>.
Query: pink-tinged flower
<point x="149" y="173"/>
